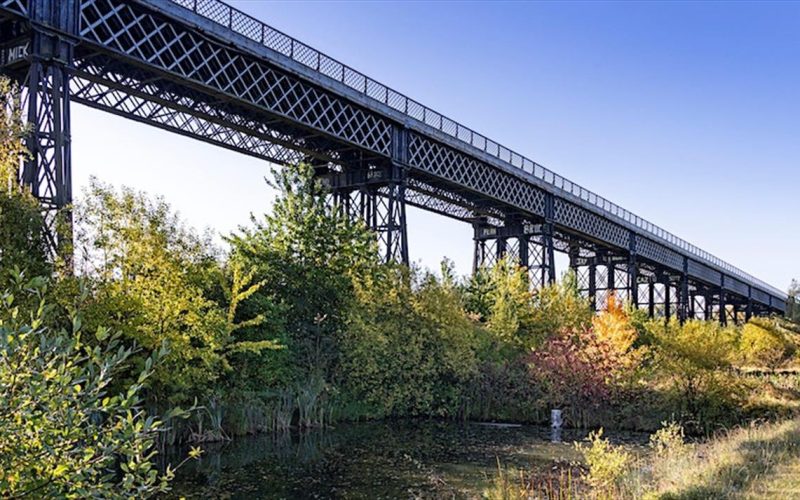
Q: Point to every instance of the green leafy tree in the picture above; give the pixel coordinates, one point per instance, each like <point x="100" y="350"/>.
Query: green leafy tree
<point x="309" y="257"/>
<point x="559" y="306"/>
<point x="259" y="359"/>
<point x="511" y="311"/>
<point x="63" y="433"/>
<point x="477" y="293"/>
<point x="520" y="317"/>
<point x="410" y="347"/>
<point x="153" y="281"/>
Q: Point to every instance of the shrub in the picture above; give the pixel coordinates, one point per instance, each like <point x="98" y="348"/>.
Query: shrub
<point x="62" y="434"/>
<point x="409" y="349"/>
<point x="575" y="371"/>
<point x="693" y="365"/>
<point x="668" y="441"/>
<point x="762" y="346"/>
<point x="519" y="318"/>
<point x="607" y="463"/>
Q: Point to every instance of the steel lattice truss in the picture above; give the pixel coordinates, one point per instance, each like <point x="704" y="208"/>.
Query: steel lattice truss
<point x="202" y="69"/>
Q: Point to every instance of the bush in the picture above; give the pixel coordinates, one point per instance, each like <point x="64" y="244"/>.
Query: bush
<point x="409" y="349"/>
<point x="519" y="318"/>
<point x="668" y="441"/>
<point x="694" y="362"/>
<point x="574" y="371"/>
<point x="607" y="464"/>
<point x="762" y="346"/>
<point x="61" y="432"/>
<point x="156" y="281"/>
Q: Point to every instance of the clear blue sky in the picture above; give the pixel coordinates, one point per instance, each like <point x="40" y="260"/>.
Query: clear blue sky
<point x="687" y="114"/>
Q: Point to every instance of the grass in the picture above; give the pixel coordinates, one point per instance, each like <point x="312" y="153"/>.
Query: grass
<point x="755" y="461"/>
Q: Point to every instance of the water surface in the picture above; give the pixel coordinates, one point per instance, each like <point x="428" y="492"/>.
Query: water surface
<point x="390" y="459"/>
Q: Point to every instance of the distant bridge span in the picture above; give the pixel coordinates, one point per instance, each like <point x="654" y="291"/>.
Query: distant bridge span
<point x="205" y="70"/>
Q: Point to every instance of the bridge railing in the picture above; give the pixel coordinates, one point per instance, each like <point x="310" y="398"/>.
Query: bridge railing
<point x="278" y="41"/>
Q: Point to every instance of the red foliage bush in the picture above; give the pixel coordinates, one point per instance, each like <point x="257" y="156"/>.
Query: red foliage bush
<point x="576" y="370"/>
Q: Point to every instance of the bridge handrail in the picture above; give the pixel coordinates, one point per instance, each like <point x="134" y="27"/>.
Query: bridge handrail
<point x="256" y="30"/>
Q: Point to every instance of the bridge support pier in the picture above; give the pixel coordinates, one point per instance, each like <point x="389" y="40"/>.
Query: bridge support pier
<point x="41" y="70"/>
<point x="48" y="171"/>
<point x="375" y="195"/>
<point x="585" y="269"/>
<point x="603" y="274"/>
<point x="633" y="272"/>
<point x="529" y="245"/>
<point x="683" y="293"/>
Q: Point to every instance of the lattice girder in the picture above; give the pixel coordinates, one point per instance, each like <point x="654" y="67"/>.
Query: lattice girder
<point x="132" y="31"/>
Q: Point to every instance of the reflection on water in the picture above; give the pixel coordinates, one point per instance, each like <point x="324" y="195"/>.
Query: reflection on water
<point x="393" y="459"/>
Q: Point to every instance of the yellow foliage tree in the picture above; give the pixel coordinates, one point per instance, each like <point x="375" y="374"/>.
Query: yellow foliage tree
<point x="614" y="326"/>
<point x="762" y="346"/>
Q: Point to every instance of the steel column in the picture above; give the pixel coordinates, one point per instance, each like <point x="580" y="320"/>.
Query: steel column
<point x="683" y="297"/>
<point x="633" y="270"/>
<point x="547" y="238"/>
<point x="593" y="283"/>
<point x="46" y="97"/>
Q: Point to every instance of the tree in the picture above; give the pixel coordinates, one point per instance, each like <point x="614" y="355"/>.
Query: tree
<point x="520" y="317"/>
<point x="410" y="348"/>
<point x="154" y="281"/>
<point x="477" y="293"/>
<point x="511" y="311"/>
<point x="559" y="306"/>
<point x="614" y="326"/>
<point x="62" y="432"/>
<point x="309" y="257"/>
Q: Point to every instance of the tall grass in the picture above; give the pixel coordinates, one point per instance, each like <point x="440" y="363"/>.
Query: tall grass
<point x="249" y="412"/>
<point x="754" y="461"/>
<point x="733" y="464"/>
<point x="516" y="484"/>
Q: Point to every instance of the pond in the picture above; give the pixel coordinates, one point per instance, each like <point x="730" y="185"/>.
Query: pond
<point x="388" y="459"/>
